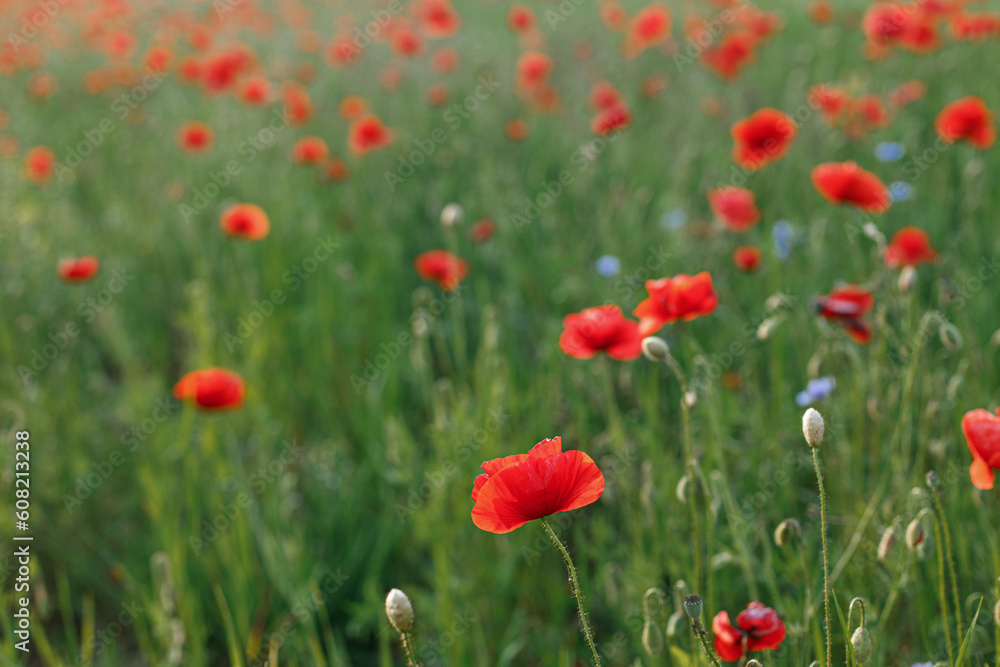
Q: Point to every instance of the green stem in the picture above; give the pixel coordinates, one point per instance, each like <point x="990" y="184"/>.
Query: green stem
<point x="702" y="636"/>
<point x="939" y="509"/>
<point x="826" y="555"/>
<point x="689" y="464"/>
<point x="941" y="587"/>
<point x="588" y="633"/>
<point x="409" y="649"/>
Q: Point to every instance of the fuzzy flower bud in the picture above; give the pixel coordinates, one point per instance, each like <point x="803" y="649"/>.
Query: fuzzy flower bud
<point x="399" y="610"/>
<point x="861" y="642"/>
<point x="950" y="336"/>
<point x="907" y="279"/>
<point x="787" y="530"/>
<point x="933" y="481"/>
<point x="996" y="613"/>
<point x="451" y="215"/>
<point x="655" y="349"/>
<point x="886" y="543"/>
<point x="813" y="427"/>
<point x="914" y="534"/>
<point x="693" y="606"/>
<point x="682" y="488"/>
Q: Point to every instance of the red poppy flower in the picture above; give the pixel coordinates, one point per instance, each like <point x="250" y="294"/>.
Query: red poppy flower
<point x="910" y="246"/>
<point x="846" y="306"/>
<point x="758" y="628"/>
<point x="246" y="221"/>
<point x="649" y="27"/>
<point x="533" y="69"/>
<point x="604" y="96"/>
<point x="830" y="100"/>
<point x="407" y="43"/>
<point x="255" y="90"/>
<point x="747" y="258"/>
<point x="39" y="164"/>
<point x="982" y="433"/>
<point x="735" y="207"/>
<point x="77" y="270"/>
<point x="682" y="297"/>
<point x="520" y="18"/>
<point x="482" y="231"/>
<point x="337" y="170"/>
<point x="517" y="129"/>
<point x="847" y="183"/>
<point x="885" y="23"/>
<point x="441" y="267"/>
<point x="309" y="150"/>
<point x="734" y="51"/>
<point x="907" y="93"/>
<point x="211" y="389"/>
<point x="368" y="134"/>
<point x="820" y="11"/>
<point x="438" y="19"/>
<point x="352" y="106"/>
<point x="298" y="104"/>
<point x="611" y="120"/>
<point x="975" y="27"/>
<point x="437" y="95"/>
<point x="600" y="329"/>
<point x="445" y="59"/>
<point x="195" y="137"/>
<point x="762" y="138"/>
<point x="969" y="119"/>
<point x="159" y="58"/>
<point x="517" y="489"/>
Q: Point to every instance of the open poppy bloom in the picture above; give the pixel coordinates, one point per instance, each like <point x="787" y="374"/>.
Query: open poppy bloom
<point x="747" y="258"/>
<point x="520" y="18"/>
<point x="846" y="306"/>
<point x="74" y="270"/>
<point x="255" y="91"/>
<point x="533" y="69"/>
<point x="682" y="297"/>
<point x="337" y="170"/>
<point x="600" y="329"/>
<point x="611" y="120"/>
<point x="735" y="207"/>
<point x="352" y="106"/>
<point x="910" y="246"/>
<point x="246" y="221"/>
<point x="649" y="27"/>
<point x="847" y="183"/>
<point x="211" y="389"/>
<point x="195" y="137"/>
<point x="441" y="267"/>
<point x="758" y="628"/>
<point x="482" y="231"/>
<point x="969" y="119"/>
<point x="438" y="19"/>
<point x="368" y="134"/>
<point x="762" y="138"/>
<point x="39" y="164"/>
<point x="309" y="150"/>
<point x="517" y="489"/>
<point x="982" y="433"/>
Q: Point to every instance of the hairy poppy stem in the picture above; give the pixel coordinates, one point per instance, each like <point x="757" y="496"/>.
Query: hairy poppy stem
<point x="689" y="461"/>
<point x="574" y="581"/>
<point x="409" y="649"/>
<point x="700" y="633"/>
<point x="939" y="510"/>
<point x="826" y="555"/>
<point x="942" y="594"/>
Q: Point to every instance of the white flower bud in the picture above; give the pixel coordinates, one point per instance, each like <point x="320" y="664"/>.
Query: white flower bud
<point x="451" y="215"/>
<point x="655" y="349"/>
<point x="399" y="610"/>
<point x="812" y="427"/>
<point x="907" y="279"/>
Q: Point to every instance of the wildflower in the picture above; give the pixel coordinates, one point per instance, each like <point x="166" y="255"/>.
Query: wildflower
<point x="517" y="489"/>
<point x="399" y="609"/>
<point x="735" y="207"/>
<point x="758" y="628"/>
<point x="815" y="390"/>
<point x="982" y="434"/>
<point x="600" y="329"/>
<point x="368" y="133"/>
<point x="39" y="164"/>
<point x="442" y="267"/>
<point x="607" y="265"/>
<point x="847" y="305"/>
<point x="747" y="258"/>
<point x="910" y="246"/>
<point x="73" y="270"/>
<point x="211" y="389"/>
<point x="783" y="234"/>
<point x="900" y="191"/>
<point x="813" y="427"/>
<point x="681" y="297"/>
<point x="847" y="183"/>
<point x="762" y="138"/>
<point x="888" y="151"/>
<point x="246" y="221"/>
<point x="969" y="119"/>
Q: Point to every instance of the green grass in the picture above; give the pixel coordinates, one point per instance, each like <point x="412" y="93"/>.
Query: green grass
<point x="332" y="495"/>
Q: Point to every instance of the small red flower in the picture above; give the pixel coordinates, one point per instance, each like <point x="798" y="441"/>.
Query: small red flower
<point x="517" y="129"/>
<point x="758" y="628"/>
<point x="441" y="267"/>
<point x="910" y="246"/>
<point x="255" y="90"/>
<point x="600" y="329"/>
<point x="39" y="164"/>
<point x="482" y="231"/>
<point x="211" y="389"/>
<point x="747" y="258"/>
<point x="735" y="207"/>
<point x="309" y="150"/>
<point x="847" y="183"/>
<point x="969" y="119"/>
<point x="533" y="69"/>
<point x="611" y="120"/>
<point x="517" y="489"/>
<point x="77" y="270"/>
<point x="368" y="134"/>
<point x="846" y="306"/>
<point x="649" y="27"/>
<point x="762" y="138"/>
<point x="337" y="170"/>
<point x="195" y="137"/>
<point x="520" y="18"/>
<point x="438" y="19"/>
<point x="682" y="297"/>
<point x="982" y="433"/>
<point x="246" y="221"/>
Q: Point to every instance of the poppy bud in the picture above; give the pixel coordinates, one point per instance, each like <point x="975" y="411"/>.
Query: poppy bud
<point x="861" y="642"/>
<point x="886" y="543"/>
<point x="451" y="215"/>
<point x="753" y="662"/>
<point x="691" y="398"/>
<point x="652" y="638"/>
<point x="907" y="278"/>
<point x="787" y="530"/>
<point x="933" y="481"/>
<point x="996" y="613"/>
<point x="950" y="336"/>
<point x="674" y="622"/>
<point x="812" y="427"/>
<point x="767" y="326"/>
<point x="682" y="488"/>
<point x="399" y="610"/>
<point x="655" y="349"/>
<point x="914" y="534"/>
<point x="692" y="606"/>
<point x="652" y="609"/>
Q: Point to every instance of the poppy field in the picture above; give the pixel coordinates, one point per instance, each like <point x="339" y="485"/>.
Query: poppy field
<point x="470" y="332"/>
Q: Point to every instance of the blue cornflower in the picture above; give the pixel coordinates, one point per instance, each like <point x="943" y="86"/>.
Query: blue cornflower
<point x="900" y="191"/>
<point x="783" y="234"/>
<point x="816" y="390"/>
<point x="607" y="265"/>
<point x="890" y="151"/>
<point x="674" y="219"/>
